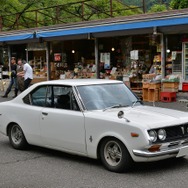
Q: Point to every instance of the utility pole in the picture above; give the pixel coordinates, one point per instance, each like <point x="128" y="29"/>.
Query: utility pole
<point x="144" y="6"/>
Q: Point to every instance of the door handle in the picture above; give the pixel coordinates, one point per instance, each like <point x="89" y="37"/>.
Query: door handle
<point x="45" y="113"/>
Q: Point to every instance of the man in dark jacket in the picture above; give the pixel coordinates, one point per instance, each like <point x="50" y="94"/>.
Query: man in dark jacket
<point x="13" y="79"/>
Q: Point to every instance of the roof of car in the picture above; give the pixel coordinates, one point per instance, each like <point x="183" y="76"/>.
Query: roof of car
<point x="76" y="82"/>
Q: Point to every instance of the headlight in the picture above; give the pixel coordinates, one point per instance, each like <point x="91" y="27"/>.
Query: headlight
<point x="161" y="134"/>
<point x="153" y="136"/>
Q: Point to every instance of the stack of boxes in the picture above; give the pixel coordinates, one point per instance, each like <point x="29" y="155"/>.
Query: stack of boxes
<point x="156" y="90"/>
<point x="168" y="91"/>
<point x="151" y="89"/>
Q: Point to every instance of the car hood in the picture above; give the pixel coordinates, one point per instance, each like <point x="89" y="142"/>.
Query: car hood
<point x="148" y="116"/>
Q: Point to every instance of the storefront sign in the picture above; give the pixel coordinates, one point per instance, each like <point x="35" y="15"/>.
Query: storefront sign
<point x="105" y="58"/>
<point x="57" y="57"/>
<point x="36" y="46"/>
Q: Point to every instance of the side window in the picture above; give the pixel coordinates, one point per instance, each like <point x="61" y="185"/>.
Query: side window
<point x="38" y="97"/>
<point x="41" y="96"/>
<point x="64" y="98"/>
<point x="61" y="97"/>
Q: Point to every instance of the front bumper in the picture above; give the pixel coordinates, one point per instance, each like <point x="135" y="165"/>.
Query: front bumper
<point x="178" y="151"/>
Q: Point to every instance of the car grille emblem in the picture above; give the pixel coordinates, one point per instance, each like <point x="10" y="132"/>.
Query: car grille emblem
<point x="90" y="139"/>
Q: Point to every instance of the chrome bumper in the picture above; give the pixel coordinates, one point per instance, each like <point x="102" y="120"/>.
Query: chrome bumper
<point x="179" y="152"/>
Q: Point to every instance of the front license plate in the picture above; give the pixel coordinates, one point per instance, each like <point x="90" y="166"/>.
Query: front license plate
<point x="183" y="151"/>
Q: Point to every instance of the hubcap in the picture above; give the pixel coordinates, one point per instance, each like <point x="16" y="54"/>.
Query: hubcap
<point x="112" y="153"/>
<point x="16" y="135"/>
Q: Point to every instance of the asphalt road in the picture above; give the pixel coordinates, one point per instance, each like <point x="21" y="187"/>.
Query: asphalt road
<point x="43" y="168"/>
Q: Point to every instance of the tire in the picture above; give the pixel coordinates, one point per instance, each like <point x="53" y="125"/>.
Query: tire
<point x="115" y="156"/>
<point x="16" y="137"/>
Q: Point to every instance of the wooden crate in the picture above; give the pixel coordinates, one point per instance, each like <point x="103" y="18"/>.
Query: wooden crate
<point x="145" y="94"/>
<point x="170" y="84"/>
<point x="154" y="85"/>
<point x="153" y="95"/>
<point x="145" y="85"/>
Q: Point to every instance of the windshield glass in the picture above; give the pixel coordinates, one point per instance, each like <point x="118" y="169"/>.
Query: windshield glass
<point x="105" y="96"/>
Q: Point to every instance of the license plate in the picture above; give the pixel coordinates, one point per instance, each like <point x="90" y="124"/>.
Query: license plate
<point x="183" y="151"/>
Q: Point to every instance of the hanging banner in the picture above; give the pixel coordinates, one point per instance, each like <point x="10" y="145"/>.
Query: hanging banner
<point x="105" y="58"/>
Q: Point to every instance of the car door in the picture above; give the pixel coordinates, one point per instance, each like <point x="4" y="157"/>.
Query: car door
<point x="62" y="127"/>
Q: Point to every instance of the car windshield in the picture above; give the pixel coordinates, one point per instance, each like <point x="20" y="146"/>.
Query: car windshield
<point x="106" y="96"/>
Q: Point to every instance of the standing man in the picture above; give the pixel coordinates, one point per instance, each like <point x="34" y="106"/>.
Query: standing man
<point x="27" y="73"/>
<point x="13" y="79"/>
<point x="20" y="78"/>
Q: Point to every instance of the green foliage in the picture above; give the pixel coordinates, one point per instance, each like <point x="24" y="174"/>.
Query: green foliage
<point x="179" y="4"/>
<point x="19" y="14"/>
<point x="148" y="3"/>
<point x="158" y="8"/>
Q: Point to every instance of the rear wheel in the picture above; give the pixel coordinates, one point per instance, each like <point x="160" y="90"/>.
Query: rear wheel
<point x="16" y="137"/>
<point x="115" y="156"/>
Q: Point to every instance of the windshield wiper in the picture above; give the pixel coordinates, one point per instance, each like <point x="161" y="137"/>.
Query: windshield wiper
<point x="134" y="102"/>
<point x="115" y="106"/>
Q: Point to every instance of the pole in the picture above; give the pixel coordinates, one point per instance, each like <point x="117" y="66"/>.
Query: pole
<point x="48" y="61"/>
<point x="144" y="6"/>
<point x="97" y="58"/>
<point x="163" y="55"/>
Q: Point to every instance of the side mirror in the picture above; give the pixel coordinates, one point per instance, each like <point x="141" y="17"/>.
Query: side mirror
<point x="121" y="115"/>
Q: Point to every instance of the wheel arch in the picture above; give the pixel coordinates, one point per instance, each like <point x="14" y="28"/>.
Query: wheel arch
<point x="107" y="137"/>
<point x="9" y="126"/>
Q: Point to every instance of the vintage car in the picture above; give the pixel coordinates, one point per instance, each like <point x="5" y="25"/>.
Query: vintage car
<point x="100" y="119"/>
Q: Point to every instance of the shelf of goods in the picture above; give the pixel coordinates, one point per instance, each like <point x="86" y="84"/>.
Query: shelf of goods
<point x="36" y="80"/>
<point x="136" y="87"/>
<point x="185" y="60"/>
<point x="4" y="83"/>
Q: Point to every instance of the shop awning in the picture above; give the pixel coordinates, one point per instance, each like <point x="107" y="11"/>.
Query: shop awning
<point x="169" y="22"/>
<point x="126" y="26"/>
<point x="15" y="37"/>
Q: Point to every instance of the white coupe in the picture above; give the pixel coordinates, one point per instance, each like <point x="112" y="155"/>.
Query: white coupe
<point x="97" y="118"/>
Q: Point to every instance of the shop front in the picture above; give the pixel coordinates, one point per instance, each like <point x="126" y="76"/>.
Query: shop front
<point x="128" y="49"/>
<point x="36" y="55"/>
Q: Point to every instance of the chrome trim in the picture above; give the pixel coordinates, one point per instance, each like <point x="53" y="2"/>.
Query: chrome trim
<point x="155" y="154"/>
<point x="170" y="150"/>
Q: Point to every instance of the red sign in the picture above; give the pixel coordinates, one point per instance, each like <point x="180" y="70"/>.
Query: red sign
<point x="57" y="57"/>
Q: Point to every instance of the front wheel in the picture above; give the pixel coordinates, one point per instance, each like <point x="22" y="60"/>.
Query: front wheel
<point x="115" y="156"/>
<point x="16" y="137"/>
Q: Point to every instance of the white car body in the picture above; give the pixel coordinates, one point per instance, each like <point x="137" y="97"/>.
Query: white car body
<point x="80" y="132"/>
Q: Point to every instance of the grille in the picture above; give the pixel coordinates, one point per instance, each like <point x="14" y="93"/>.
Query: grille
<point x="175" y="133"/>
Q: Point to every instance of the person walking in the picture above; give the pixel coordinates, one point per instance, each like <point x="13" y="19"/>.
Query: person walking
<point x="27" y="73"/>
<point x="13" y="79"/>
<point x="20" y="78"/>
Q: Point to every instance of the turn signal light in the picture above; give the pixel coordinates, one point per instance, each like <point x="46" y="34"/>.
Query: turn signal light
<point x="134" y="135"/>
<point x="154" y="148"/>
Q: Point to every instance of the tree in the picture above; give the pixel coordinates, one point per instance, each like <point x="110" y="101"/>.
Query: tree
<point x="18" y="14"/>
<point x="179" y="4"/>
<point x="158" y="8"/>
